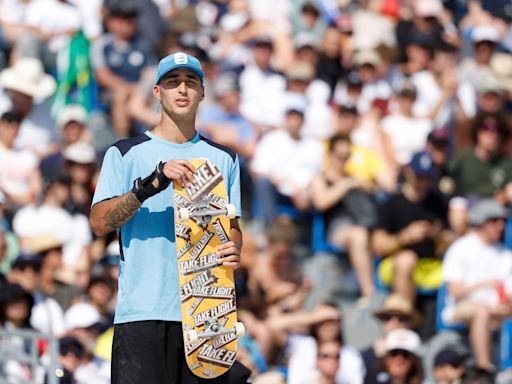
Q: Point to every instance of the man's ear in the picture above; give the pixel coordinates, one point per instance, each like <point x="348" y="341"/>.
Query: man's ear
<point x="156" y="92"/>
<point x="202" y="93"/>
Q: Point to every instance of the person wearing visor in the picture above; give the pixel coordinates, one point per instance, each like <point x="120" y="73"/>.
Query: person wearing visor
<point x="134" y="197"/>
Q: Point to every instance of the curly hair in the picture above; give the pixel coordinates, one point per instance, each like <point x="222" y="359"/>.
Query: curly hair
<point x="498" y="119"/>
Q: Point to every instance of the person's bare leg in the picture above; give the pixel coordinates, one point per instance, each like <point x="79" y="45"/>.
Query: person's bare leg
<point x="356" y="240"/>
<point x="480" y="336"/>
<point x="403" y="267"/>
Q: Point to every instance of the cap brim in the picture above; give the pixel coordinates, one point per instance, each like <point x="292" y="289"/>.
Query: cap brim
<point x="181" y="66"/>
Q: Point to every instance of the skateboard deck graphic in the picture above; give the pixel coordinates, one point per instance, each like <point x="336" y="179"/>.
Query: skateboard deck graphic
<point x="207" y="289"/>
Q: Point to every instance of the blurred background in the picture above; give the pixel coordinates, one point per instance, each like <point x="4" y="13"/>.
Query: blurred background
<point x="374" y="142"/>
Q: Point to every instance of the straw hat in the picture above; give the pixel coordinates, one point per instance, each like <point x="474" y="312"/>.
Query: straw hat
<point x="27" y="76"/>
<point x="42" y="243"/>
<point x="396" y="304"/>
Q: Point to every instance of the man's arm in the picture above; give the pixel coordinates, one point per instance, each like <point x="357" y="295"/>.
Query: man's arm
<point x="110" y="214"/>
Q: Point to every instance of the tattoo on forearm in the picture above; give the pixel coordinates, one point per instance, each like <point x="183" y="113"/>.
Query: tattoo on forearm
<point x="120" y="214"/>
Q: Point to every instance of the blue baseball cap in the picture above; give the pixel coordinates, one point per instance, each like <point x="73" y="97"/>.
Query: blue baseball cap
<point x="422" y="164"/>
<point x="176" y="61"/>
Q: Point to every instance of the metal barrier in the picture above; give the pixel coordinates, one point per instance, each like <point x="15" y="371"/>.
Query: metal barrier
<point x="28" y="354"/>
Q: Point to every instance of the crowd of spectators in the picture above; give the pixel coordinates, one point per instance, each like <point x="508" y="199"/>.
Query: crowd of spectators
<point x="385" y="123"/>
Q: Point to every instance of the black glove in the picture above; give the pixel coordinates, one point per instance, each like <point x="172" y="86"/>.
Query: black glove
<point x="143" y="189"/>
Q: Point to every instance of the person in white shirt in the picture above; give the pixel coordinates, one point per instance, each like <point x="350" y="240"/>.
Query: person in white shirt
<point x="19" y="178"/>
<point x="261" y="87"/>
<point x="478" y="272"/>
<point x="408" y="133"/>
<point x="284" y="164"/>
<point x="304" y="350"/>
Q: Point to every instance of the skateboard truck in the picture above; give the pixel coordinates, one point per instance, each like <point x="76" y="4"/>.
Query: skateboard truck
<point x="205" y="215"/>
<point x="213" y="329"/>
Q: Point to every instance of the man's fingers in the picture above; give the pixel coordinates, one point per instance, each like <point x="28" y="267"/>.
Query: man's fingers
<point x="229" y="244"/>
<point x="230" y="258"/>
<point x="229" y="251"/>
<point x="187" y="164"/>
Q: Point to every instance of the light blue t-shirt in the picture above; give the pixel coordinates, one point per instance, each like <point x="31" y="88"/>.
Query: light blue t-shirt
<point x="148" y="271"/>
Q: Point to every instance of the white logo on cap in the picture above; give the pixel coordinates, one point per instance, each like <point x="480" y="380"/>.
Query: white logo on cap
<point x="180" y="58"/>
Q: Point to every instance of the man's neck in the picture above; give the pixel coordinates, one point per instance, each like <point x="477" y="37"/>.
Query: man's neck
<point x="47" y="282"/>
<point x="483" y="154"/>
<point x="411" y="194"/>
<point x="483" y="237"/>
<point x="6" y="144"/>
<point x="174" y="130"/>
<point x="325" y="380"/>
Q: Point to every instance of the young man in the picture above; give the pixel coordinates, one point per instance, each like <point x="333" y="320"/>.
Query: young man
<point x="134" y="197"/>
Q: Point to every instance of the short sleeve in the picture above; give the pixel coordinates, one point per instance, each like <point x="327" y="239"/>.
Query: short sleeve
<point x="111" y="181"/>
<point x="384" y="217"/>
<point x="453" y="270"/>
<point x="234" y="187"/>
<point x="98" y="54"/>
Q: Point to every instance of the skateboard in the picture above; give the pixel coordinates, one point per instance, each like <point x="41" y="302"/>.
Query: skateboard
<point x="207" y="289"/>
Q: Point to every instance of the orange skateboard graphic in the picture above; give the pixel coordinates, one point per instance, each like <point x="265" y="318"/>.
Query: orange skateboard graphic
<point x="207" y="289"/>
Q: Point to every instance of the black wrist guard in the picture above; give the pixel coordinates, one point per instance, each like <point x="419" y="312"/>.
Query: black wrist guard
<point x="144" y="188"/>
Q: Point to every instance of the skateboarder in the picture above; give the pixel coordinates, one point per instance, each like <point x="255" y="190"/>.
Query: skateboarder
<point x="134" y="197"/>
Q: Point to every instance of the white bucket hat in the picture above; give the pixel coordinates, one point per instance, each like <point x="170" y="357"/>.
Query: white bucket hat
<point x="27" y="76"/>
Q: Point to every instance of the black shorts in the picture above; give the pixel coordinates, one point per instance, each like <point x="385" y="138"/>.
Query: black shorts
<point x="152" y="352"/>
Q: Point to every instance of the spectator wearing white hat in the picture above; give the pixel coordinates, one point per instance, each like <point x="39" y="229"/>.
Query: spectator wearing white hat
<point x="82" y="322"/>
<point x="81" y="166"/>
<point x="72" y="126"/>
<point x="26" y="89"/>
<point x="477" y="269"/>
<point x="402" y="364"/>
<point x="476" y="69"/>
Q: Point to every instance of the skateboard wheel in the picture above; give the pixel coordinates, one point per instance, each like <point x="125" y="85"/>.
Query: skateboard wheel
<point x="230" y="208"/>
<point x="183" y="214"/>
<point x="239" y="329"/>
<point x="192" y="336"/>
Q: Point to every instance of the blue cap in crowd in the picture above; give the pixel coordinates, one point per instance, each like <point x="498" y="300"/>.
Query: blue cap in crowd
<point x="423" y="165"/>
<point x="176" y="61"/>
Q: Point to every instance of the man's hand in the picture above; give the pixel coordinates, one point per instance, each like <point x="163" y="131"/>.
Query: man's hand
<point x="415" y="232"/>
<point x="229" y="255"/>
<point x="180" y="170"/>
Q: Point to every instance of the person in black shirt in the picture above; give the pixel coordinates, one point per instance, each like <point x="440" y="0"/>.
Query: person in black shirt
<point x="411" y="227"/>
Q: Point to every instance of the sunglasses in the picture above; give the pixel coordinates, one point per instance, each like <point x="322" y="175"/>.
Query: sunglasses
<point x="329" y="355"/>
<point x="400" y="318"/>
<point x="401" y="353"/>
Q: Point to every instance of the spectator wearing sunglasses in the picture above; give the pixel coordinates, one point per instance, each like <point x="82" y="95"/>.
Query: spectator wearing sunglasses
<point x="396" y="312"/>
<point x="401" y="364"/>
<point x="477" y="270"/>
<point x="327" y="362"/>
